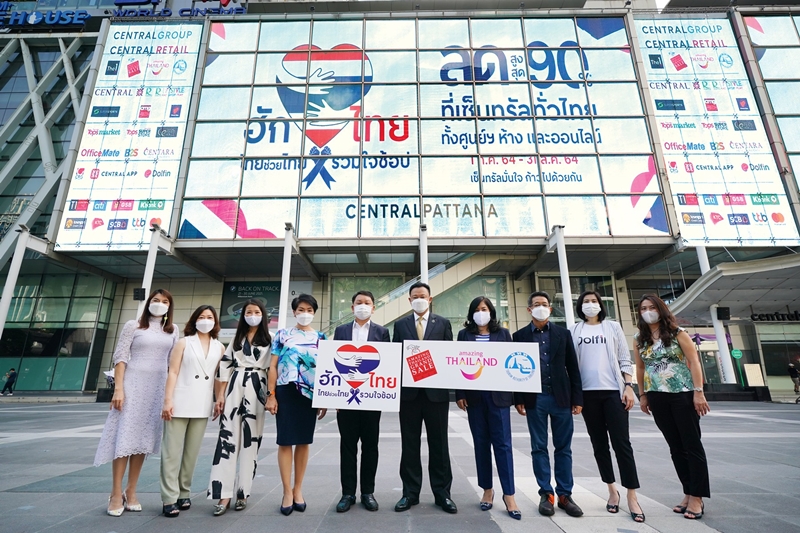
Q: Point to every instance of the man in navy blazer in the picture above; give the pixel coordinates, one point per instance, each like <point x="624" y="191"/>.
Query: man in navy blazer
<point x="363" y="425"/>
<point x="428" y="405"/>
<point x="561" y="397"/>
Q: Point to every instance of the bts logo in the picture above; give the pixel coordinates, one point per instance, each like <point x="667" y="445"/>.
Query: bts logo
<point x="656" y="61"/>
<point x="112" y="68"/>
<point x="175" y="111"/>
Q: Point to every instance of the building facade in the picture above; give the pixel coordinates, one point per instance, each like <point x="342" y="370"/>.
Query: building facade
<point x="643" y="134"/>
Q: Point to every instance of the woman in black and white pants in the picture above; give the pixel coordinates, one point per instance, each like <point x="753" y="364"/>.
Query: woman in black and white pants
<point x="606" y="371"/>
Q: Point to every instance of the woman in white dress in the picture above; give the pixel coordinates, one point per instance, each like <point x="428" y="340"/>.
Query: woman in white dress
<point x="133" y="427"/>
<point x="243" y="377"/>
<point x="188" y="402"/>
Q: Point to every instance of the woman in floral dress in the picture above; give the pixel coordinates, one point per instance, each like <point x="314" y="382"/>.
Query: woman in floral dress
<point x="671" y="388"/>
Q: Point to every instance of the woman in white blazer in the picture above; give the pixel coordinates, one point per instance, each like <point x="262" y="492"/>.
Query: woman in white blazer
<point x="605" y="364"/>
<point x="188" y="402"/>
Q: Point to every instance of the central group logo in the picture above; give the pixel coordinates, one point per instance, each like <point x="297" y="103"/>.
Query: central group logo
<point x="520" y="366"/>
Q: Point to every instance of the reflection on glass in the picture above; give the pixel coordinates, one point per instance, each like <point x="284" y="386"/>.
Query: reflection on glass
<point x="447" y="101"/>
<point x="273" y="138"/>
<point x="560" y="100"/>
<point x="620" y="135"/>
<point x="500" y="33"/>
<point x="606" y="97"/>
<point x="228" y="69"/>
<point x="570" y="174"/>
<point x="450" y="175"/>
<point x="390" y="175"/>
<point x="323" y="218"/>
<point x="283" y="35"/>
<point x="224" y="103"/>
<point x="456" y="216"/>
<point x="389" y="217"/>
<point x="208" y="219"/>
<point x="328" y="34"/>
<point x="556" y="136"/>
<point x="214" y="177"/>
<point x="391" y="35"/>
<point x="393" y="66"/>
<point x="219" y="139"/>
<point x="455" y="137"/>
<point x="443" y="33"/>
<point x="523" y="217"/>
<point x="509" y="174"/>
<point x="232" y="37"/>
<point x="601" y="31"/>
<point x="561" y="211"/>
<point x="278" y="176"/>
<point x="265" y="219"/>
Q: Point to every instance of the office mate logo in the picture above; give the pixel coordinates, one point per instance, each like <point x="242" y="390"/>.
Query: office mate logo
<point x="693" y="218"/>
<point x="656" y="62"/>
<point x="520" y="366"/>
<point x="168" y="131"/>
<point x="175" y="111"/>
<point x="742" y="104"/>
<point x="112" y="68"/>
<point x="105" y="111"/>
<point x="744" y="125"/>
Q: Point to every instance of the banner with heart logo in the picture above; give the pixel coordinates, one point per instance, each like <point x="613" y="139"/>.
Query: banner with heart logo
<point x="358" y="376"/>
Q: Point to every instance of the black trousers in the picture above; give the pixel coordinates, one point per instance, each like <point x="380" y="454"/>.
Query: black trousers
<point x="680" y="424"/>
<point x="355" y="426"/>
<point x="605" y="416"/>
<point x="435" y="415"/>
<point x="8" y="386"/>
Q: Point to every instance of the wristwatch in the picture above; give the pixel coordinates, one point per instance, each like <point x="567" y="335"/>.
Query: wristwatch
<point x="629" y="384"/>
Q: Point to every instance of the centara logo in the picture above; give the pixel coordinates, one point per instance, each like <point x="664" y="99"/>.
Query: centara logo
<point x="20" y="19"/>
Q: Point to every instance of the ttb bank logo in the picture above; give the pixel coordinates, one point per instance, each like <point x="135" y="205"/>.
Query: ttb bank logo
<point x="520" y="366"/>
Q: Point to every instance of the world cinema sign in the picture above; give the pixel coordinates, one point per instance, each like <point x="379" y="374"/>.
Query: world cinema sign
<point x="137" y="8"/>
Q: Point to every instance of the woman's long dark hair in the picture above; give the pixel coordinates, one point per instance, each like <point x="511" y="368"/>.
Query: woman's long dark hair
<point x="144" y="320"/>
<point x="191" y="325"/>
<point x="470" y="324"/>
<point x="262" y="336"/>
<point x="579" y="305"/>
<point x="667" y="324"/>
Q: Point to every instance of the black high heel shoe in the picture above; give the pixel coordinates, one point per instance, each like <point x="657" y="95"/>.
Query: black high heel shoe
<point x="171" y="510"/>
<point x="614" y="509"/>
<point x="485" y="506"/>
<point x="695" y="516"/>
<point x="286" y="511"/>
<point x="516" y="515"/>
<point x="299" y="507"/>
<point x="637" y="517"/>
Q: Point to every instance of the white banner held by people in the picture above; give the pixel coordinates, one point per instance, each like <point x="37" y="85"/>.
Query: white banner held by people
<point x="363" y="377"/>
<point x="489" y="366"/>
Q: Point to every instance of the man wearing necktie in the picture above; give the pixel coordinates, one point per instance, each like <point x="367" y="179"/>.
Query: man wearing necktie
<point x="424" y="405"/>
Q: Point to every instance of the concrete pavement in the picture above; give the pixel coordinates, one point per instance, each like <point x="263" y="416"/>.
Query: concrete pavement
<point x="47" y="482"/>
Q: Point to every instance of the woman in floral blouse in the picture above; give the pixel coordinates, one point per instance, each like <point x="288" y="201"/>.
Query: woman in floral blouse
<point x="671" y="388"/>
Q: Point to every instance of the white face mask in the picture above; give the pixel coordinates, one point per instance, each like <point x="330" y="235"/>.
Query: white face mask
<point x="651" y="317"/>
<point x="363" y="311"/>
<point x="158" y="309"/>
<point x="420" y="305"/>
<point x="540" y="313"/>
<point x="253" y="320"/>
<point x="204" y="326"/>
<point x="304" y="319"/>
<point x="481" y="317"/>
<point x="591" y="309"/>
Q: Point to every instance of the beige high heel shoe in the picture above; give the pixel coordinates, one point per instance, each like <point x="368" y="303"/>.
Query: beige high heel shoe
<point x="134" y="508"/>
<point x="115" y="512"/>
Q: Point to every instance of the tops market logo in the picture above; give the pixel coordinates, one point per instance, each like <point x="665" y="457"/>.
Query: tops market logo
<point x="10" y="19"/>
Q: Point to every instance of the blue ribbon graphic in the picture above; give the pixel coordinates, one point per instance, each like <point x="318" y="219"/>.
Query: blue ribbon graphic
<point x="319" y="168"/>
<point x="354" y="396"/>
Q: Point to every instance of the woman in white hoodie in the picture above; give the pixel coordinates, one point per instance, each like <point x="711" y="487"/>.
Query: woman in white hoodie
<point x="606" y="371"/>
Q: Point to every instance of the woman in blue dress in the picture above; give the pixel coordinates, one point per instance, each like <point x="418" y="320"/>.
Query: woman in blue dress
<point x="291" y="377"/>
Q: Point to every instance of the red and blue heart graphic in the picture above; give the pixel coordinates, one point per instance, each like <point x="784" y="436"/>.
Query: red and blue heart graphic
<point x="355" y="364"/>
<point x="333" y="78"/>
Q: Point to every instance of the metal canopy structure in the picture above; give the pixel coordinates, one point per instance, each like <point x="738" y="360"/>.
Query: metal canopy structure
<point x="753" y="287"/>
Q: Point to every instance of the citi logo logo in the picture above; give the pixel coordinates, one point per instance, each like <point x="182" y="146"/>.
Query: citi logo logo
<point x="595" y="339"/>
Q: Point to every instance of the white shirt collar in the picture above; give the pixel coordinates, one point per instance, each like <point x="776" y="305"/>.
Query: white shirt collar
<point x="424" y="317"/>
<point x="366" y="324"/>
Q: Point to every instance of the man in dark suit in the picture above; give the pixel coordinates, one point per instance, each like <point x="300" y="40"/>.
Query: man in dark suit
<point x="428" y="405"/>
<point x="561" y="397"/>
<point x="363" y="425"/>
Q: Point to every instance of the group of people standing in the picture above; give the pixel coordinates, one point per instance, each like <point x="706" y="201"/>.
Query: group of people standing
<point x="586" y="370"/>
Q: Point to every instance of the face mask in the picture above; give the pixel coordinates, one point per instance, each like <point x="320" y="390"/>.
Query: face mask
<point x="420" y="305"/>
<point x="481" y="317"/>
<point x="591" y="309"/>
<point x="540" y="313"/>
<point x="204" y="326"/>
<point x="363" y="311"/>
<point x="253" y="320"/>
<point x="304" y="319"/>
<point x="158" y="309"/>
<point x="651" y="317"/>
